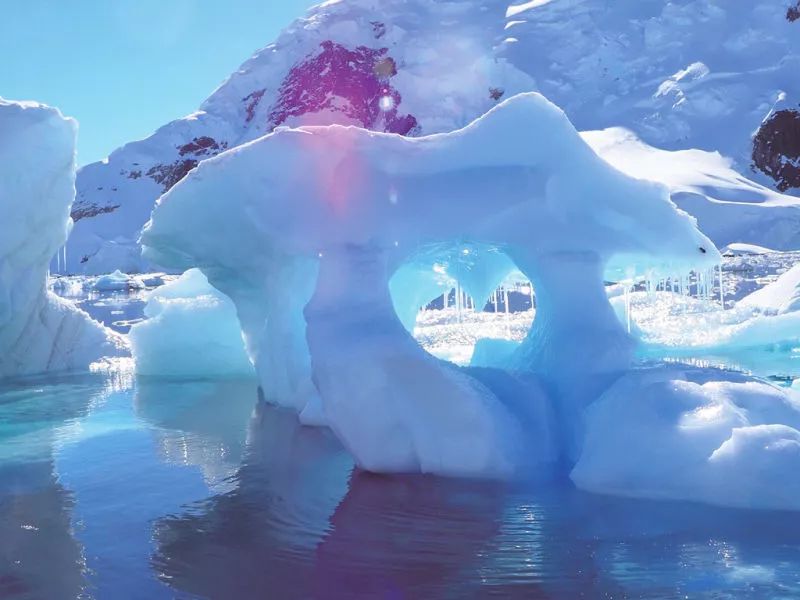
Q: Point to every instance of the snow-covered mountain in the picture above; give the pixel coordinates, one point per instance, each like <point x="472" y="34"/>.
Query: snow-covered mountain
<point x="715" y="75"/>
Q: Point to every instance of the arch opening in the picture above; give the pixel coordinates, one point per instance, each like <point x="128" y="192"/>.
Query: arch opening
<point x="460" y="297"/>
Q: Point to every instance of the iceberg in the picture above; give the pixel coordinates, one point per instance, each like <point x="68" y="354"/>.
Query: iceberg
<point x="116" y="282"/>
<point x="191" y="331"/>
<point x="303" y="229"/>
<point x="38" y="330"/>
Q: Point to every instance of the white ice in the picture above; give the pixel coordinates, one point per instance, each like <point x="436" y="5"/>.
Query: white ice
<point x="191" y="332"/>
<point x="116" y="281"/>
<point x="684" y="434"/>
<point x="39" y="331"/>
<point x="304" y="229"/>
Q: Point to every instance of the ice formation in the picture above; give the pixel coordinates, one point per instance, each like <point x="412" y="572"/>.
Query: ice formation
<point x="673" y="433"/>
<point x="116" y="282"/>
<point x="191" y="332"/>
<point x="673" y="324"/>
<point x="304" y="228"/>
<point x="702" y="74"/>
<point x="39" y="331"/>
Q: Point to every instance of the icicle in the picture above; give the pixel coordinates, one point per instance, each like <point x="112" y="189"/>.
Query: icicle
<point x="445" y="299"/>
<point x="628" y="305"/>
<point x="505" y="298"/>
<point x="530" y="290"/>
<point x="458" y="301"/>
<point x="64" y="261"/>
<point x="721" y="290"/>
<point x="494" y="300"/>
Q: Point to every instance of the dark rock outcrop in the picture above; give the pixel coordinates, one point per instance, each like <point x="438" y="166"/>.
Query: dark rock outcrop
<point x="793" y="12"/>
<point x="352" y="82"/>
<point x="776" y="149"/>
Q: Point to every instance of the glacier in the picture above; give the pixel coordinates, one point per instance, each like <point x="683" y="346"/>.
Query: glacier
<point x="311" y="251"/>
<point x="38" y="330"/>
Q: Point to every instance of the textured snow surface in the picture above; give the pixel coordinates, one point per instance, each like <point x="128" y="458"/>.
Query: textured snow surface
<point x="779" y="297"/>
<point x="191" y="332"/>
<point x="116" y="281"/>
<point x="406" y="67"/>
<point x="678" y="433"/>
<point x="39" y="331"/>
<point x="729" y="208"/>
<point x="304" y="229"/>
<point x="679" y="75"/>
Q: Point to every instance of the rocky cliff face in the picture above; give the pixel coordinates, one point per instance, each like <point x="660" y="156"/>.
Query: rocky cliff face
<point x="776" y="148"/>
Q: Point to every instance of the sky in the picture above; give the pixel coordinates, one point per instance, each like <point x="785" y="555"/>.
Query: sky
<point x="123" y="68"/>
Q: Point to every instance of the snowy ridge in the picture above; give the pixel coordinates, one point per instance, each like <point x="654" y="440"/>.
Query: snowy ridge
<point x="728" y="207"/>
<point x="403" y="67"/>
<point x="687" y="74"/>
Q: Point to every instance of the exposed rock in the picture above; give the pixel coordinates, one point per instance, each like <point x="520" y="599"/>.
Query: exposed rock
<point x="169" y="175"/>
<point x="776" y="148"/>
<point x="200" y="146"/>
<point x="251" y="103"/>
<point x="353" y="82"/>
<point x="378" y="29"/>
<point x="83" y="212"/>
<point x="793" y="12"/>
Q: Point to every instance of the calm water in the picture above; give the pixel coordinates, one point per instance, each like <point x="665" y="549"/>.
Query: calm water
<point x="112" y="487"/>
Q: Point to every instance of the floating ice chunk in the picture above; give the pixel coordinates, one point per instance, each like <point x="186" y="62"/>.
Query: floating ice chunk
<point x="39" y="331"/>
<point x="116" y="282"/>
<point x="705" y="435"/>
<point x="192" y="332"/>
<point x="738" y="249"/>
<point x="151" y="279"/>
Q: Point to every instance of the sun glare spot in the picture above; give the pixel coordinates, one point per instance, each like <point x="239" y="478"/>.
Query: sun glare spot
<point x="386" y="103"/>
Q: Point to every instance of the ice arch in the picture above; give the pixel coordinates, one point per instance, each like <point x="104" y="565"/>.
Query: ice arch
<point x="322" y="217"/>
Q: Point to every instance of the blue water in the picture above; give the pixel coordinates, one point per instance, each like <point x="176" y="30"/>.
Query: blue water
<point x="113" y="487"/>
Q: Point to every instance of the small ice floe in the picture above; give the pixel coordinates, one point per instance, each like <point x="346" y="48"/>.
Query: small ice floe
<point x="117" y="282"/>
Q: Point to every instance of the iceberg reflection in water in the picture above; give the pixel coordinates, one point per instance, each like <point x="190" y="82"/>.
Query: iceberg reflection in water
<point x="111" y="487"/>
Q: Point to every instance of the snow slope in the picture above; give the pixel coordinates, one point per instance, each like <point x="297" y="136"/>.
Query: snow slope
<point x="683" y="74"/>
<point x="691" y="434"/>
<point x="304" y="228"/>
<point x="38" y="330"/>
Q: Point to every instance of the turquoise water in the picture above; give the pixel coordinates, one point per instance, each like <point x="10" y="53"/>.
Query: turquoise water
<point x="116" y="488"/>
